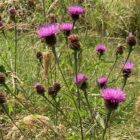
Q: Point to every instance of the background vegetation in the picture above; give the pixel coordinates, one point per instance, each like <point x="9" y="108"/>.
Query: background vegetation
<point x="104" y="21"/>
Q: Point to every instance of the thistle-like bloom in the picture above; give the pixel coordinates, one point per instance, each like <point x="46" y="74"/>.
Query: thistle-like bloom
<point x="81" y="80"/>
<point x="131" y="40"/>
<point x="102" y="81"/>
<point x="39" y="88"/>
<point x="128" y="66"/>
<point x="112" y="97"/>
<point x="48" y="31"/>
<point x="75" y="11"/>
<point x="100" y="48"/>
<point x="66" y="27"/>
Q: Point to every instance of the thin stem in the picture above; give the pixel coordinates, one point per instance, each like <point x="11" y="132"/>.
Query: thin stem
<point x="129" y="53"/>
<point x="88" y="104"/>
<point x="106" y="124"/>
<point x="113" y="66"/>
<point x="54" y="106"/>
<point x="3" y="107"/>
<point x="80" y="119"/>
<point x="124" y="82"/>
<point x="8" y="89"/>
<point x="76" y="73"/>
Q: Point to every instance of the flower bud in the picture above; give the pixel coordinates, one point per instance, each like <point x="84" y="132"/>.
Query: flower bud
<point x="131" y="40"/>
<point x="74" y="42"/>
<point x="39" y="88"/>
<point x="53" y="18"/>
<point x="119" y="49"/>
<point x="56" y="87"/>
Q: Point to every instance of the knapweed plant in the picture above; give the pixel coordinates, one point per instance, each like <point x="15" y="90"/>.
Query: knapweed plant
<point x="60" y="77"/>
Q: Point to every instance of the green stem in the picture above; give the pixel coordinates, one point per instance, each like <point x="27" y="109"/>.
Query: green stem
<point x="88" y="104"/>
<point x="113" y="66"/>
<point x="106" y="124"/>
<point x="124" y="82"/>
<point x="8" y="89"/>
<point x="3" y="107"/>
<point x="80" y="119"/>
<point x="76" y="73"/>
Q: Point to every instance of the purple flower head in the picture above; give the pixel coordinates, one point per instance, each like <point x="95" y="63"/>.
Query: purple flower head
<point x="113" y="95"/>
<point x="100" y="48"/>
<point x="66" y="26"/>
<point x="80" y="78"/>
<point x="47" y="30"/>
<point x="128" y="65"/>
<point x="75" y="11"/>
<point x="12" y="11"/>
<point x="39" y="88"/>
<point x="102" y="81"/>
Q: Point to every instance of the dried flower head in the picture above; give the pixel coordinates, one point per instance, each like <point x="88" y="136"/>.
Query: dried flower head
<point x="112" y="97"/>
<point x="52" y="92"/>
<point x="74" y="42"/>
<point x="119" y="49"/>
<point x="75" y="11"/>
<point x="48" y="31"/>
<point x="131" y="40"/>
<point x="66" y="28"/>
<point x="39" y="56"/>
<point x="39" y="88"/>
<point x="2" y="98"/>
<point x="47" y="60"/>
<point x="2" y="78"/>
<point x="128" y="66"/>
<point x="56" y="87"/>
<point x="53" y="18"/>
<point x="102" y="81"/>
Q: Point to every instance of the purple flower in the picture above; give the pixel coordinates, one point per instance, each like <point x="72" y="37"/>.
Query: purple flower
<point x="100" y="48"/>
<point x="102" y="81"/>
<point x="47" y="30"/>
<point x="75" y="11"/>
<point x="66" y="26"/>
<point x="12" y="11"/>
<point x="128" y="66"/>
<point x="80" y="78"/>
<point x="39" y="88"/>
<point x="114" y="95"/>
